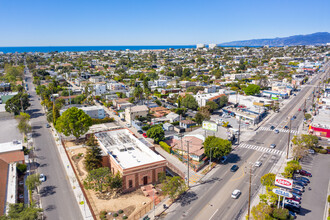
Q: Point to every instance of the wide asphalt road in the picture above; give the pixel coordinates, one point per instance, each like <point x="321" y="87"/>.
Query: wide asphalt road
<point x="211" y="199"/>
<point x="57" y="197"/>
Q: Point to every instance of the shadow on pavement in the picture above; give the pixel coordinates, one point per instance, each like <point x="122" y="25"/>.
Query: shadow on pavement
<point x="208" y="181"/>
<point x="304" y="211"/>
<point x="233" y="158"/>
<point x="47" y="191"/>
<point x="34" y="134"/>
<point x="187" y="198"/>
<point x="36" y="115"/>
<point x="44" y="165"/>
<point x="35" y="127"/>
<point x="50" y="208"/>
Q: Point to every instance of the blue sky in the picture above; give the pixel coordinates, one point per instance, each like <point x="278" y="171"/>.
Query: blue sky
<point x="147" y="22"/>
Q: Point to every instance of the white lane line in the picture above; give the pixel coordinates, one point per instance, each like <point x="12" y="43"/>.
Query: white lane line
<point x="214" y="213"/>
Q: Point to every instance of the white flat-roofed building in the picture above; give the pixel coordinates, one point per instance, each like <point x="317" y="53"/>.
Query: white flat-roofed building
<point x="93" y="111"/>
<point x="11" y="146"/>
<point x="136" y="162"/>
<point x="212" y="46"/>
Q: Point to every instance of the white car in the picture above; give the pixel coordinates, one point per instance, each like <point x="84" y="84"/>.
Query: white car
<point x="235" y="194"/>
<point x="42" y="178"/>
<point x="128" y="125"/>
<point x="257" y="164"/>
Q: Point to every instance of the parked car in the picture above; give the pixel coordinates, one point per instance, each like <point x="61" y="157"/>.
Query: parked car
<point x="144" y="135"/>
<point x="128" y="125"/>
<point x="291" y="202"/>
<point x="235" y="194"/>
<point x="223" y="159"/>
<point x="292" y="208"/>
<point x="294" y="117"/>
<point x="301" y="178"/>
<point x="304" y="173"/>
<point x="300" y="183"/>
<point x="272" y="146"/>
<point x="234" y="168"/>
<point x="299" y="188"/>
<point x="295" y="192"/>
<point x="47" y="125"/>
<point x="122" y="119"/>
<point x="140" y="131"/>
<point x="311" y="151"/>
<point x="294" y="199"/>
<point x="42" y="178"/>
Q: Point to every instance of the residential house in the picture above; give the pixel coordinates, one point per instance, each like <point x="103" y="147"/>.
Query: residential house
<point x="136" y="111"/>
<point x="187" y="124"/>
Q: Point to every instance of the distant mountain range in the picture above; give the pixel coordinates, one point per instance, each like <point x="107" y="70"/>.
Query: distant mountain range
<point x="309" y="39"/>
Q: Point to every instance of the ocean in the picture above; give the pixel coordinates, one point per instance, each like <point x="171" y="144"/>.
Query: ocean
<point x="45" y="49"/>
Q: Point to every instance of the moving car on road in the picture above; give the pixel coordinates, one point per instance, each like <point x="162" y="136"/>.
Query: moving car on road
<point x="235" y="194"/>
<point x="234" y="168"/>
<point x="277" y="131"/>
<point x="257" y="164"/>
<point x="272" y="146"/>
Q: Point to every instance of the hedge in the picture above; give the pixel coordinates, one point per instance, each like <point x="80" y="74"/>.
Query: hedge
<point x="165" y="146"/>
<point x="329" y="200"/>
<point x="101" y="121"/>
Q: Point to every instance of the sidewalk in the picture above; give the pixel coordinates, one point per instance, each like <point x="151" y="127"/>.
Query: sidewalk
<point x="77" y="191"/>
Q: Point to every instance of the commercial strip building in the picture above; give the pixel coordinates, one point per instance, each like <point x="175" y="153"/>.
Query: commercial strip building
<point x="129" y="156"/>
<point x="320" y="125"/>
<point x="11" y="153"/>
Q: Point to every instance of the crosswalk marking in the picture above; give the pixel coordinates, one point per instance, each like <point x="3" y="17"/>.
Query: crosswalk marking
<point x="280" y="130"/>
<point x="262" y="149"/>
<point x="194" y="178"/>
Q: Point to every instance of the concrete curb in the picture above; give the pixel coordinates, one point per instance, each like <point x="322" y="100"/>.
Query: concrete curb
<point x="77" y="191"/>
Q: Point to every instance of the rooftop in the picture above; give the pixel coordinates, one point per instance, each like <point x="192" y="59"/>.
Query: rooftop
<point x="126" y="149"/>
<point x="11" y="146"/>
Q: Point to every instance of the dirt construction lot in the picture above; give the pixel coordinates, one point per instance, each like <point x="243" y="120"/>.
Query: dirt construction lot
<point x="130" y="203"/>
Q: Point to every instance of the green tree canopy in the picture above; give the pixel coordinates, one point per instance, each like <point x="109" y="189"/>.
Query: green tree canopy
<point x="261" y="211"/>
<point x="17" y="103"/>
<point x="212" y="105"/>
<point x="98" y="179"/>
<point x="157" y="133"/>
<point x="23" y="123"/>
<point x="252" y="89"/>
<point x="93" y="158"/>
<point x="218" y="146"/>
<point x="202" y="114"/>
<point x="22" y="212"/>
<point x="290" y="168"/>
<point x="268" y="179"/>
<point x="195" y="89"/>
<point x="189" y="102"/>
<point x="173" y="186"/>
<point x="74" y="122"/>
<point x="223" y="101"/>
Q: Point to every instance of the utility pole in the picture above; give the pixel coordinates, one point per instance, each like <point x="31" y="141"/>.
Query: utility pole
<point x="250" y="184"/>
<point x="287" y="149"/>
<point x="188" y="163"/>
<point x="239" y="129"/>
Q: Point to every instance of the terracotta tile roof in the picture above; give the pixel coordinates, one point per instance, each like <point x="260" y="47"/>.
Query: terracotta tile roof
<point x="10" y="157"/>
<point x="188" y="122"/>
<point x="3" y="184"/>
<point x="216" y="97"/>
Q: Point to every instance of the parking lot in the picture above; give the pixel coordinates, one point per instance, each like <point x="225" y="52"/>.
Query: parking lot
<point x="314" y="200"/>
<point x="9" y="131"/>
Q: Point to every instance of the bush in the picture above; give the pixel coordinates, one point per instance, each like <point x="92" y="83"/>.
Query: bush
<point x="329" y="200"/>
<point x="175" y="123"/>
<point x="280" y="213"/>
<point x="146" y="127"/>
<point x="125" y="217"/>
<point x="120" y="211"/>
<point x="101" y="121"/>
<point x="323" y="151"/>
<point x="328" y="148"/>
<point x="115" y="215"/>
<point x="103" y="215"/>
<point x="165" y="146"/>
<point x="21" y="168"/>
